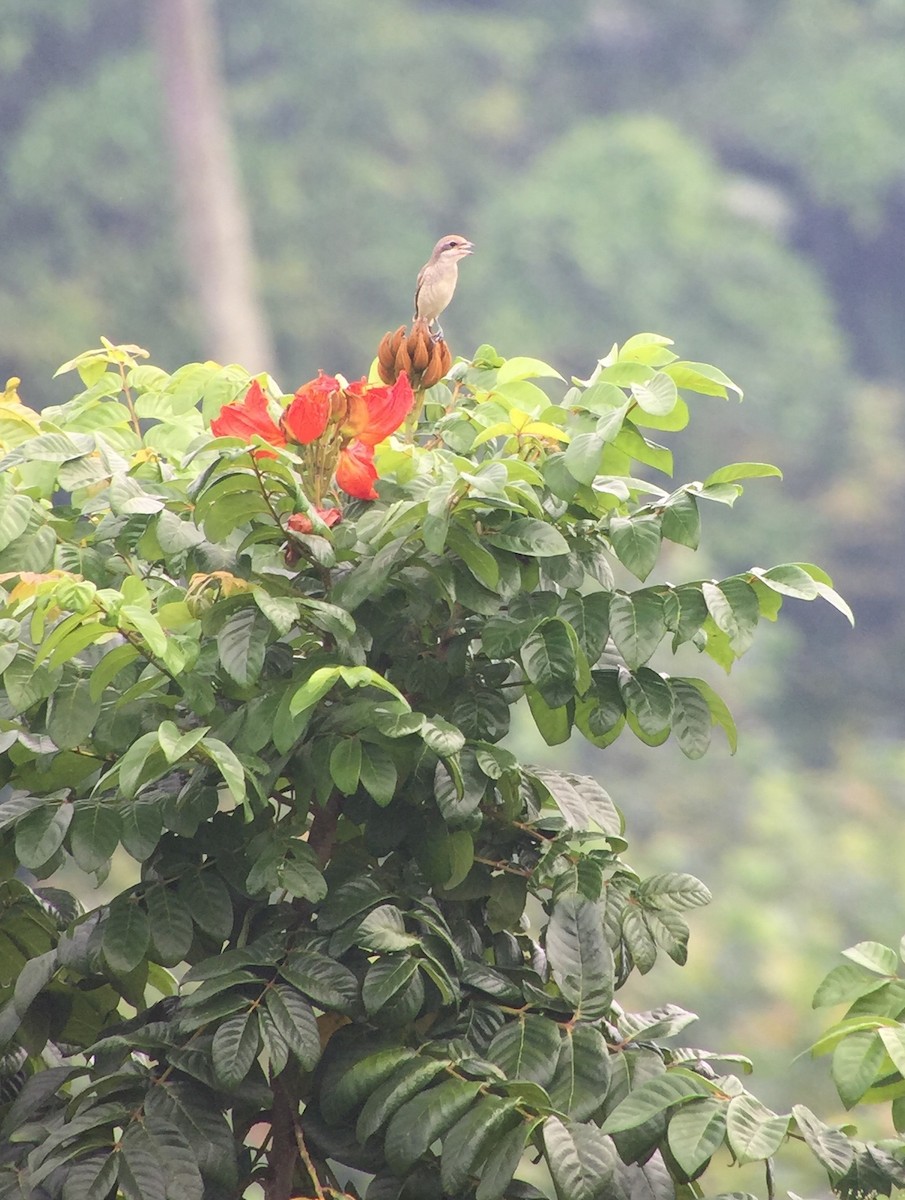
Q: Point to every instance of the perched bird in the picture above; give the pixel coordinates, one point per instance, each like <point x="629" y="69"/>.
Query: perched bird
<point x="437" y="279"/>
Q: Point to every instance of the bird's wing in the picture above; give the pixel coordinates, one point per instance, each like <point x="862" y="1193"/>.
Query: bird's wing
<point x="418" y="283"/>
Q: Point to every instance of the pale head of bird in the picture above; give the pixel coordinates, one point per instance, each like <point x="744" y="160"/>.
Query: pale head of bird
<point x="452" y="247"/>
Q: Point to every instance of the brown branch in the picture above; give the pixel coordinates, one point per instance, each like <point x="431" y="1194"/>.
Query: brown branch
<point x="283" y="1150"/>
<point x="309" y="1164"/>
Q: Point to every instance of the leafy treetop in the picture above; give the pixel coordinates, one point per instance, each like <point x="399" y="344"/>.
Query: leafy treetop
<point x="276" y="666"/>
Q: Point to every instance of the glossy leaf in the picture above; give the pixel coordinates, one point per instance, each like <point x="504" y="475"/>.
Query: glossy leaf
<point x="695" y="1133"/>
<point x="426" y="1117"/>
<point x="753" y="1131"/>
<point x="234" y="1048"/>
<point x="581" y="1159"/>
<point x="637" y="626"/>
<point x="293" y="1018"/>
<point x="654" y="1096"/>
<point x="579" y="955"/>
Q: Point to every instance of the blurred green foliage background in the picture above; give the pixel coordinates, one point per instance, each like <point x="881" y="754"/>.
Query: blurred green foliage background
<point x="727" y="172"/>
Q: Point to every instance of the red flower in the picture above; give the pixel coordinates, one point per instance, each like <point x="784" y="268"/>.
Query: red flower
<point x="248" y="417"/>
<point x="305" y="420"/>
<point x="302" y="523"/>
<point x="355" y="471"/>
<point x="376" y="412"/>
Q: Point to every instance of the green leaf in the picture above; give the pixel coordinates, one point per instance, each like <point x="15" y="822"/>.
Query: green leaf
<point x="442" y="737"/>
<point x="173" y="1151"/>
<point x="528" y="535"/>
<point x="110" y="666"/>
<point x="790" y="579"/>
<point x="91" y="1176"/>
<point x="719" y="712"/>
<point x="753" y="1131"/>
<point x="142" y="825"/>
<point x="296" y="1023"/>
<point x="26" y="684"/>
<point x="637" y="625"/>
<point x="466" y="1143"/>
<point x="327" y="983"/>
<point x="743" y="470"/>
<point x="702" y="378"/>
<point x="424" y="1119"/>
<point x="71" y="713"/>
<point x="584" y="455"/>
<point x="734" y="607"/>
<point x="94" y="835"/>
<point x="385" y="979"/>
<point x="549" y="661"/>
<point x="126" y="934"/>
<point x="857" y="1061"/>
<point x="207" y="899"/>
<point x="846" y="983"/>
<point x="653" y="1097"/>
<point x="874" y="956"/>
<point x="523" y="367"/>
<point x="691" y="719"/>
<point x="695" y="1133"/>
<point x="481" y="714"/>
<point x="378" y="772"/>
<point x="658" y="395"/>
<point x="133" y="617"/>
<point x="506" y="903"/>
<point x="582" y="1077"/>
<point x="384" y="929"/>
<point x="170" y="924"/>
<point x="405" y="1082"/>
<point x="832" y="1149"/>
<point x="15" y="513"/>
<point x="636" y="542"/>
<point x="675" y="889"/>
<point x="526" y="1048"/>
<point x="588" y="614"/>
<point x="234" y="1048"/>
<point x="313" y="689"/>
<point x="175" y="744"/>
<point x="580" y="957"/>
<point x="281" y="611"/>
<point x="345" y="765"/>
<point x="650" y="698"/>
<point x="242" y="644"/>
<point x="553" y="724"/>
<point x="681" y="521"/>
<point x="140" y="1176"/>
<point x="893" y="1038"/>
<point x="581" y="1160"/>
<point x="40" y="834"/>
<point x="226" y="762"/>
<point x="502" y="1162"/>
<point x="480" y="562"/>
<point x="188" y="1108"/>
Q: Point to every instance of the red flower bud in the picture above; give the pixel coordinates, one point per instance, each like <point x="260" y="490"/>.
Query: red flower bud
<point x="302" y="523"/>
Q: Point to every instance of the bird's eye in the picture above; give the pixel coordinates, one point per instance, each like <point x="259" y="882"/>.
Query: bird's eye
<point x="451" y="245"/>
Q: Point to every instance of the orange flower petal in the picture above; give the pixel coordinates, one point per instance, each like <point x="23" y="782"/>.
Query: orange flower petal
<point x="355" y="471"/>
<point x="247" y="418"/>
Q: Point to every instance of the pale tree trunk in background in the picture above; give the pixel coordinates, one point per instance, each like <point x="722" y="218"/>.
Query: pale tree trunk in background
<point x="207" y="186"/>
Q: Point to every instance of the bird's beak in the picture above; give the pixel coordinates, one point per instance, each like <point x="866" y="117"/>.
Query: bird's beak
<point x="467" y="248"/>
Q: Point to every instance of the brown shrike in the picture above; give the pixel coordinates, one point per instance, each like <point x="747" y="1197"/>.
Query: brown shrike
<point x="437" y="278"/>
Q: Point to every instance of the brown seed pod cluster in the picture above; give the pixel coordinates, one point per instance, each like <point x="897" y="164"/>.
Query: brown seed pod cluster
<point x="424" y="358"/>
